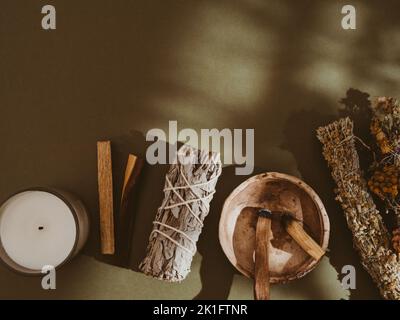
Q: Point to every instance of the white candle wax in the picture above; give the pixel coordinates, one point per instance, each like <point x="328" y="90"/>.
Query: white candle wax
<point x="36" y="229"/>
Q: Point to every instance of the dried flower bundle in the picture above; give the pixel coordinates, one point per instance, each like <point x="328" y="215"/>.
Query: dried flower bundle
<point x="384" y="182"/>
<point x="385" y="127"/>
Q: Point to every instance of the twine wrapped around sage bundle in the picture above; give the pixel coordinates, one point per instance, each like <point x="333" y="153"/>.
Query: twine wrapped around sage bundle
<point x="189" y="188"/>
<point x="370" y="236"/>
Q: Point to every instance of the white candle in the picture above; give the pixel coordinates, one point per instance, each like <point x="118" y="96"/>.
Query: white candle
<point x="37" y="228"/>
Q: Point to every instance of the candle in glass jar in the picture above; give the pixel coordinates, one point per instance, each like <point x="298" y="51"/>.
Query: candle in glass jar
<point x="39" y="228"/>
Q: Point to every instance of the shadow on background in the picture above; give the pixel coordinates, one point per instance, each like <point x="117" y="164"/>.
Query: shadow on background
<point x="216" y="271"/>
<point x="276" y="66"/>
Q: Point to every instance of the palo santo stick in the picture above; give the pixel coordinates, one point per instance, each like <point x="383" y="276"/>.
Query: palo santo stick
<point x="295" y="229"/>
<point x="132" y="171"/>
<point x="261" y="263"/>
<point x="106" y="204"/>
<point x="133" y="168"/>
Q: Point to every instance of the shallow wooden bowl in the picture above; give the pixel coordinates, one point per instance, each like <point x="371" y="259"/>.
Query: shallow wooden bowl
<point x="276" y="191"/>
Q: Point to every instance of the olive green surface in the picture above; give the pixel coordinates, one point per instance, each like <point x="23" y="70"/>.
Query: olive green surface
<point x="115" y="69"/>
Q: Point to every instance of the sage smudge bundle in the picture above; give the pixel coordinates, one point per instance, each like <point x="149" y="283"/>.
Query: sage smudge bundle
<point x="370" y="235"/>
<point x="189" y="188"/>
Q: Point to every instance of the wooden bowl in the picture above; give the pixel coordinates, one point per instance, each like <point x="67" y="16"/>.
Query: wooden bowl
<point x="276" y="191"/>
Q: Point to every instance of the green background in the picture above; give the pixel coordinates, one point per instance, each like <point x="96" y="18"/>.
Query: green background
<point x="115" y="69"/>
